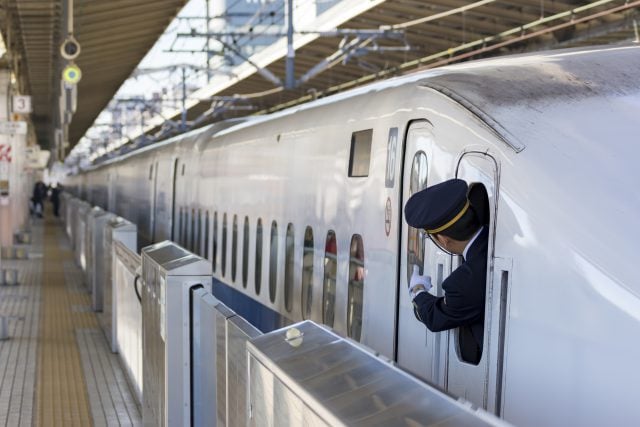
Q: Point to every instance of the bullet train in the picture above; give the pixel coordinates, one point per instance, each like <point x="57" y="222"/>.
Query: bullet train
<point x="301" y="215"/>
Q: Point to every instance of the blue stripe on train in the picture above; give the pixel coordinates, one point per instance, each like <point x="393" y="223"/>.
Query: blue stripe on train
<point x="254" y="312"/>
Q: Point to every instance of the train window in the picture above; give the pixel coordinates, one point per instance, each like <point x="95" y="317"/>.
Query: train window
<point x="206" y="235"/>
<point x="180" y="222"/>
<point x="198" y="239"/>
<point x="258" y="255"/>
<point x="329" y="283"/>
<point x="245" y="251"/>
<point x="289" y="248"/>
<point x="356" y="288"/>
<point x="223" y="247"/>
<point x="360" y="156"/>
<point x="192" y="235"/>
<point x="416" y="237"/>
<point x="185" y="227"/>
<point x="234" y="248"/>
<point x="214" y="255"/>
<point x="307" y="274"/>
<point x="273" y="262"/>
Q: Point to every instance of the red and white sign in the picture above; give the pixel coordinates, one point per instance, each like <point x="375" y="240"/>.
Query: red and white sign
<point x="5" y="153"/>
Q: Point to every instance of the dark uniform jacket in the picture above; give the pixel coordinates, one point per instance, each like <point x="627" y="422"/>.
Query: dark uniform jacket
<point x="463" y="303"/>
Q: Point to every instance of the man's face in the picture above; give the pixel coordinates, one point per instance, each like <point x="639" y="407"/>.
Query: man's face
<point x="442" y="241"/>
<point x="448" y="244"/>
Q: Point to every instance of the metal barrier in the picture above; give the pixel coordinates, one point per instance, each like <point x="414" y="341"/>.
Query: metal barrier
<point x="127" y="317"/>
<point x="307" y="375"/>
<point x="170" y="273"/>
<point x="97" y="220"/>
<point x="219" y="362"/>
<point x="118" y="229"/>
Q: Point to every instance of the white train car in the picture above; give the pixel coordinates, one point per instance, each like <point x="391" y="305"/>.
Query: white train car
<point x="300" y="213"/>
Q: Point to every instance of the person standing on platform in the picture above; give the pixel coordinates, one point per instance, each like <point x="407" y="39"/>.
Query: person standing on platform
<point x="55" y="199"/>
<point x="39" y="195"/>
<point x="444" y="212"/>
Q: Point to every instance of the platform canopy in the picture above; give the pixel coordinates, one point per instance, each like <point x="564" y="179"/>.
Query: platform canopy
<point x="359" y="42"/>
<point x="114" y="36"/>
<point x="352" y="44"/>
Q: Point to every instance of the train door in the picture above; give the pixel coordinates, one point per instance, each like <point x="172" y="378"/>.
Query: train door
<point x="418" y="350"/>
<point x="480" y="382"/>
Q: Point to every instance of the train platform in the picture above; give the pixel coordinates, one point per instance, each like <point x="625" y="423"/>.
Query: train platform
<point x="56" y="367"/>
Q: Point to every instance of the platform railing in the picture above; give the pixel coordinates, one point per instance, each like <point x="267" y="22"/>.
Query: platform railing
<point x="308" y="375"/>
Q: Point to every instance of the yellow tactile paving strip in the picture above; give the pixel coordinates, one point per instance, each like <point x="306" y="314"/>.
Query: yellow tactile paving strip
<point x="62" y="398"/>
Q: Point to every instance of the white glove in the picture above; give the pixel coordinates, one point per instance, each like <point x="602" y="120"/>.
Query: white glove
<point x="418" y="283"/>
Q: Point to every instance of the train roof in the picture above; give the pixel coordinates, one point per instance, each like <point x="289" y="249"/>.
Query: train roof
<point x="516" y="93"/>
<point x="511" y="94"/>
<point x="490" y="88"/>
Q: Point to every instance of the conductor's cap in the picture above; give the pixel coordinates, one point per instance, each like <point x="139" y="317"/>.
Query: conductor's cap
<point x="438" y="207"/>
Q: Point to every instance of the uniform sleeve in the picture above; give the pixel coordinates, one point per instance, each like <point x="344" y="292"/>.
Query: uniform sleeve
<point x="454" y="309"/>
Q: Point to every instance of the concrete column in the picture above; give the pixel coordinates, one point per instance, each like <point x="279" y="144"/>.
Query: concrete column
<point x="14" y="199"/>
<point x="6" y="175"/>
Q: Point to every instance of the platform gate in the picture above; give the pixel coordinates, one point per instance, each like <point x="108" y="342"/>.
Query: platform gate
<point x="169" y="274"/>
<point x="219" y="362"/>
<point x="96" y="263"/>
<point x="119" y="230"/>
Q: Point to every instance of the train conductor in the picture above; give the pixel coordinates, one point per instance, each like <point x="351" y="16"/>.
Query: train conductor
<point x="444" y="212"/>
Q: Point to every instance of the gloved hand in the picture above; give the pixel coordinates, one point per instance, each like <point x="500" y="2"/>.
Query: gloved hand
<point x="418" y="283"/>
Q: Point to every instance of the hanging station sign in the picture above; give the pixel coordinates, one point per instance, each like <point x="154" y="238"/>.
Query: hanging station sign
<point x="13" y="128"/>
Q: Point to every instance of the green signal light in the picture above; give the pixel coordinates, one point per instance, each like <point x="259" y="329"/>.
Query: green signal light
<point x="71" y="74"/>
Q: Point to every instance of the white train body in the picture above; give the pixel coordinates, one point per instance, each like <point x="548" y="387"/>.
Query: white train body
<point x="553" y="137"/>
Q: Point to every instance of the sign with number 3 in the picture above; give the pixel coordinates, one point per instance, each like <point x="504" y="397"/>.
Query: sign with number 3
<point x="21" y="104"/>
